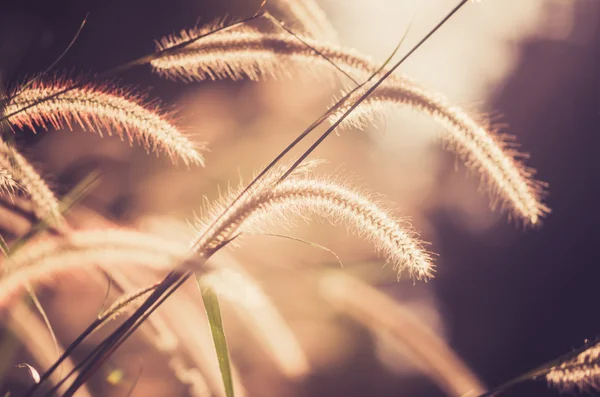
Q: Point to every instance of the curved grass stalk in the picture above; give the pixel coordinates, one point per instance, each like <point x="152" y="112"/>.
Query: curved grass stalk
<point x="238" y="54"/>
<point x="379" y="313"/>
<point x="99" y="108"/>
<point x="303" y="195"/>
<point x="106" y="248"/>
<point x="34" y="335"/>
<point x="45" y="202"/>
<point x="309" y="17"/>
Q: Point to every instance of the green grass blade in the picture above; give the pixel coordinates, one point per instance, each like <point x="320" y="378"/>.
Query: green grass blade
<point x="213" y="312"/>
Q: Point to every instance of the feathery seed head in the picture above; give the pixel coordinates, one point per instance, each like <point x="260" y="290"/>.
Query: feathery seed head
<point x="243" y="53"/>
<point x="124" y="302"/>
<point x="99" y="108"/>
<point x="581" y="372"/>
<point x="484" y="152"/>
<point x="302" y="195"/>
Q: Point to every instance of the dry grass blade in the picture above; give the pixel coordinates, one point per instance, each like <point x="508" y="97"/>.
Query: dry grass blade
<point x="106" y="248"/>
<point x="121" y="305"/>
<point x="380" y="314"/>
<point x="99" y="108"/>
<point x="303" y="195"/>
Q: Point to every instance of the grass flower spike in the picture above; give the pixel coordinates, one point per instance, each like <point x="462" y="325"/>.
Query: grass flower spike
<point x="302" y="195"/>
<point x="241" y="52"/>
<point x="507" y="179"/>
<point x="101" y="108"/>
<point x="581" y="372"/>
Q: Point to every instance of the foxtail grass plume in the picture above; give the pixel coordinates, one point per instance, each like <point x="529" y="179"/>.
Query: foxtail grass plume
<point x="308" y="17"/>
<point x="508" y="180"/>
<point x="101" y="108"/>
<point x="125" y="302"/>
<point x="381" y="314"/>
<point x="581" y="372"/>
<point x="42" y="260"/>
<point x="46" y="205"/>
<point x="243" y="53"/>
<point x="302" y="195"/>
